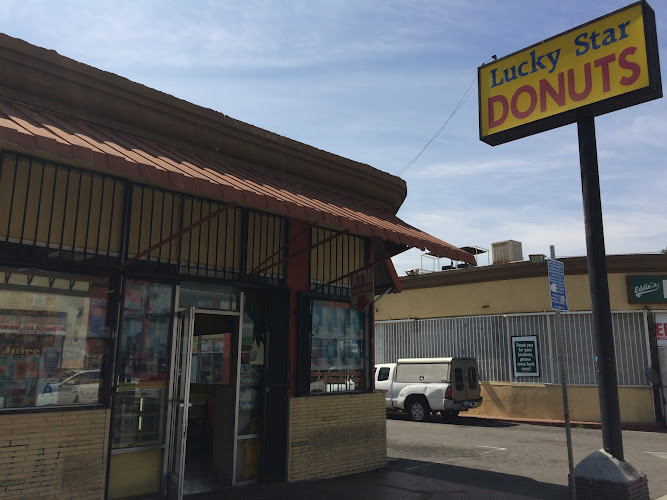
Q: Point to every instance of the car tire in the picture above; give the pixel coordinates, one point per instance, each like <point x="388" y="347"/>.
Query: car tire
<point x="418" y="410"/>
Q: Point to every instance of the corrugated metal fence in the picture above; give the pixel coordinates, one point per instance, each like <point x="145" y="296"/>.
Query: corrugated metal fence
<point x="488" y="338"/>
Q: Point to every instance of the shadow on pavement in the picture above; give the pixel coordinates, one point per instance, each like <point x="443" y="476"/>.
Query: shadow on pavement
<point x="499" y="482"/>
<point x="469" y="421"/>
<point x="401" y="479"/>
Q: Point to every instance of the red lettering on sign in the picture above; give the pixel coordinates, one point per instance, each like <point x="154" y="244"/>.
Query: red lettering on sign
<point x="531" y="107"/>
<point x="603" y="64"/>
<point x="546" y="88"/>
<point x="632" y="66"/>
<point x="493" y="122"/>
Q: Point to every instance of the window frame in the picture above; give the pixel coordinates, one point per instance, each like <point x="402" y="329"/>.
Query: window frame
<point x="383" y="371"/>
<point x="305" y="346"/>
<point x="106" y="370"/>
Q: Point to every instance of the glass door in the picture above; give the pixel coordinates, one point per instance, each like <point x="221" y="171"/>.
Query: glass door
<point x="179" y="402"/>
<point x="250" y="390"/>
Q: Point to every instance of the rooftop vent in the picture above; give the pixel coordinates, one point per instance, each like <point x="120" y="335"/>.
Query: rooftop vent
<point x="506" y="251"/>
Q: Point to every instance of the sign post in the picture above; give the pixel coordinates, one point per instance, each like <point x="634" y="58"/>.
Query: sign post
<point x="556" y="271"/>
<point x="603" y="337"/>
<point x="602" y="66"/>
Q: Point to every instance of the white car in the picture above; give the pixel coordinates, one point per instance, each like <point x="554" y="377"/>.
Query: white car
<point x="80" y="387"/>
<point x="421" y="386"/>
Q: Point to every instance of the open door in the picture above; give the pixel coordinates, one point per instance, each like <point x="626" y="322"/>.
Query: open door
<point x="179" y="402"/>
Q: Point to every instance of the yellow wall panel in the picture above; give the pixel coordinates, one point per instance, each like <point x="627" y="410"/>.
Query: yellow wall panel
<point x="135" y="474"/>
<point x="540" y="401"/>
<point x="497" y="297"/>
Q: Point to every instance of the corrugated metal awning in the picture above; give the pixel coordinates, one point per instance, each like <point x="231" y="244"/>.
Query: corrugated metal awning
<point x="157" y="164"/>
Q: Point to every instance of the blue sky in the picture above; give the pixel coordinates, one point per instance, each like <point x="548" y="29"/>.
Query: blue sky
<point x="373" y="81"/>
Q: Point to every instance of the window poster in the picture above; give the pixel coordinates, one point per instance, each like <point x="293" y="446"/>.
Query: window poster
<point x="30" y="351"/>
<point x="97" y="313"/>
<point x="337" y="346"/>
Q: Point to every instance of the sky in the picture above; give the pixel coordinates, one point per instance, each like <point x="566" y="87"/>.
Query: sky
<point x="374" y="81"/>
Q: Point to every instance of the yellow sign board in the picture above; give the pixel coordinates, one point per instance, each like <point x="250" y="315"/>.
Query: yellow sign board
<point x="601" y="66"/>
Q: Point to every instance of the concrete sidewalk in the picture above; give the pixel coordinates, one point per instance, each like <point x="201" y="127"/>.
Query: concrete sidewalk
<point x="401" y="480"/>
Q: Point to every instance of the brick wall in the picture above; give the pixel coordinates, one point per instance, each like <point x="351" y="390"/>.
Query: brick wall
<point x="336" y="435"/>
<point x="53" y="454"/>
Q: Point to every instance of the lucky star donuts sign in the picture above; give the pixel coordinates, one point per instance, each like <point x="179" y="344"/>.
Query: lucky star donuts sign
<point x="605" y="65"/>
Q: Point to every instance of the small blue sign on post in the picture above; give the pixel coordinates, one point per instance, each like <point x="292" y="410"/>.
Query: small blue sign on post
<point x="557" y="285"/>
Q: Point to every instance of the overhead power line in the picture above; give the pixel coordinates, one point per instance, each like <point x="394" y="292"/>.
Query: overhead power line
<point x="469" y="91"/>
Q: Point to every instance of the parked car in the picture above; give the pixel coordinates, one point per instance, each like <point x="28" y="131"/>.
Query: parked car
<point x="421" y="386"/>
<point x="80" y="386"/>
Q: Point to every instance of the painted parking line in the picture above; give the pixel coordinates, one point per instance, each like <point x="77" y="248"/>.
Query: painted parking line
<point x="485" y="451"/>
<point x="659" y="454"/>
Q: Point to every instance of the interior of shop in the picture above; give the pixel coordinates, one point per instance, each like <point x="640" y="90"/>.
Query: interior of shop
<point x="214" y="439"/>
<point x="210" y="436"/>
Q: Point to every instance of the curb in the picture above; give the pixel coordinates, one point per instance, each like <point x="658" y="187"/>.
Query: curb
<point x="626" y="426"/>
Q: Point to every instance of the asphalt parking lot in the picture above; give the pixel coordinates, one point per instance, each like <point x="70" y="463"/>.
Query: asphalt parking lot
<point x="533" y="458"/>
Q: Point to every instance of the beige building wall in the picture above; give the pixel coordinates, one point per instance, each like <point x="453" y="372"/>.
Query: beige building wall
<point x="54" y="454"/>
<point x="513" y="296"/>
<point x="496" y="297"/>
<point x="337" y="435"/>
<point x="540" y="401"/>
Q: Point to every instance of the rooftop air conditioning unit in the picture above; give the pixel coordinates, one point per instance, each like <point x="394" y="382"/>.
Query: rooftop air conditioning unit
<point x="506" y="251"/>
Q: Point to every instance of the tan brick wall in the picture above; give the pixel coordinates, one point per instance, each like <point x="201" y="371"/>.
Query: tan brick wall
<point x="336" y="435"/>
<point x="54" y="454"/>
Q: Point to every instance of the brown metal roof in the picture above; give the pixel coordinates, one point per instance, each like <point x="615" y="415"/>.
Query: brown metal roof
<point x="153" y="163"/>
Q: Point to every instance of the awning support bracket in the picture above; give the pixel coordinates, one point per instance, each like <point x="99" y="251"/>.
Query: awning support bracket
<point x="259" y="269"/>
<point x="319" y="243"/>
<point x="178" y="234"/>
<point x="367" y="266"/>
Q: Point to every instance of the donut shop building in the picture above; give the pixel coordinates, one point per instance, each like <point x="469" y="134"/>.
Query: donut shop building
<point x="176" y="311"/>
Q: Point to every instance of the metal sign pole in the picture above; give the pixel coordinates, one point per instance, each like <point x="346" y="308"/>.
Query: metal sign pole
<point x="610" y="414"/>
<point x="560" y="335"/>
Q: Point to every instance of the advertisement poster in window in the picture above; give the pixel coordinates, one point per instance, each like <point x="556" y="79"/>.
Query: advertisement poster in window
<point x="337" y="347"/>
<point x="97" y="312"/>
<point x="30" y="345"/>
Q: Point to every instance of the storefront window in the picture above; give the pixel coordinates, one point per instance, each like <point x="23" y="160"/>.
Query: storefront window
<point x="143" y="365"/>
<point x="54" y="339"/>
<point x="208" y="296"/>
<point x="338" y="354"/>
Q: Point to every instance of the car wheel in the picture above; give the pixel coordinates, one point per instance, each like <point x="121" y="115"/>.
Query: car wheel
<point x="418" y="410"/>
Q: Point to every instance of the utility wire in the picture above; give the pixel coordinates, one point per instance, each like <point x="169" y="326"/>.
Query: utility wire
<point x="469" y="91"/>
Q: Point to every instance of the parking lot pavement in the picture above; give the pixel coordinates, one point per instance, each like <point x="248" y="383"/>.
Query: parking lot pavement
<point x="475" y="448"/>
<point x="469" y="458"/>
